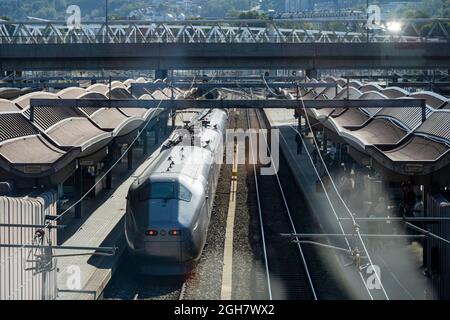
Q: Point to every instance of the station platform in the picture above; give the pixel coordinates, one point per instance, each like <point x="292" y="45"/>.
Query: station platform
<point x="399" y="260"/>
<point x="84" y="277"/>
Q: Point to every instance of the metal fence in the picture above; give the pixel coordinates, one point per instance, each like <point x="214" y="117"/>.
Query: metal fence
<point x="27" y="273"/>
<point x="438" y="252"/>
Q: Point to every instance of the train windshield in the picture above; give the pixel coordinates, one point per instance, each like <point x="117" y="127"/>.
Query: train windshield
<point x="169" y="190"/>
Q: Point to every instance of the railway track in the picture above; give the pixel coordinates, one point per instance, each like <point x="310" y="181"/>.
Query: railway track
<point x="266" y="265"/>
<point x="286" y="268"/>
<point x="203" y="283"/>
<point x="128" y="285"/>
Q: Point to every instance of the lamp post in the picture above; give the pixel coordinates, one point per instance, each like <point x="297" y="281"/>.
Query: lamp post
<point x="106" y="13"/>
<point x="107" y="20"/>
<point x="367" y="10"/>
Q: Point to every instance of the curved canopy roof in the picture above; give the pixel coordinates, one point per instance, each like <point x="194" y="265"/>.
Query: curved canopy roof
<point x="397" y="134"/>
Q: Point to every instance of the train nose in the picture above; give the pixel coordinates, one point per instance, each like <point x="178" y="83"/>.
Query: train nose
<point x="164" y="244"/>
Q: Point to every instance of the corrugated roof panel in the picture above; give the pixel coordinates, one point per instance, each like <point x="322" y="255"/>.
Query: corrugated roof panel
<point x="8" y="106"/>
<point x="433" y="99"/>
<point x="355" y="84"/>
<point x="370" y="87"/>
<point x="117" y="84"/>
<point x="410" y="117"/>
<point x="353" y="93"/>
<point x="45" y="117"/>
<point x="15" y="125"/>
<point x="89" y="111"/>
<point x="99" y="87"/>
<point x="71" y="93"/>
<point x="341" y="82"/>
<point x="372" y="95"/>
<point x="379" y="131"/>
<point x="24" y="101"/>
<point x="330" y="93"/>
<point x="418" y="149"/>
<point x="394" y="92"/>
<point x="438" y="125"/>
<point x="120" y="93"/>
<point x="10" y="93"/>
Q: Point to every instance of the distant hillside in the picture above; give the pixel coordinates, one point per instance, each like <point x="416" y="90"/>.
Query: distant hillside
<point x="95" y="9"/>
<point x="56" y="9"/>
<point x="91" y="9"/>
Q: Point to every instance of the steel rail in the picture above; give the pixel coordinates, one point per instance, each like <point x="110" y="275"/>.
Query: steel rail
<point x="347" y="241"/>
<point x="261" y="221"/>
<point x="351" y="215"/>
<point x="294" y="229"/>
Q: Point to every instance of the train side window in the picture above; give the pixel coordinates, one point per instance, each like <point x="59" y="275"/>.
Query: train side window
<point x="184" y="194"/>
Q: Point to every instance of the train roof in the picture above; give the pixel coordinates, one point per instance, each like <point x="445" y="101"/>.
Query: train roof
<point x="192" y="162"/>
<point x="180" y="158"/>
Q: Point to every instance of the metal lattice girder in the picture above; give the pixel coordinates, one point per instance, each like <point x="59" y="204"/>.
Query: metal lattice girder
<point x="169" y="79"/>
<point x="242" y="85"/>
<point x="234" y="79"/>
<point x="242" y="104"/>
<point x="68" y="78"/>
<point x="419" y="84"/>
<point x="37" y="85"/>
<point x="222" y="31"/>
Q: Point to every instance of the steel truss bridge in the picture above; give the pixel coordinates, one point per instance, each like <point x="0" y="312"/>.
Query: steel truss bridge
<point x="223" y="31"/>
<point x="223" y="44"/>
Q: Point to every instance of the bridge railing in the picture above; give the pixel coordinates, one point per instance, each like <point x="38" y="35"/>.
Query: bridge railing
<point x="224" y="31"/>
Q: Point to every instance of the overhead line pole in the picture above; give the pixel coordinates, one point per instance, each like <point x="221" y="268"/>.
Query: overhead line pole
<point x="107" y="18"/>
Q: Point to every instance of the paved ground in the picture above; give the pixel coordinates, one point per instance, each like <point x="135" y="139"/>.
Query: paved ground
<point x="101" y="226"/>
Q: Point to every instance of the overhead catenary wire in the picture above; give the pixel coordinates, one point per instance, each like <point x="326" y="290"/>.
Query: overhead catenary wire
<point x="356" y="227"/>
<point x="266" y="260"/>
<point x="90" y="190"/>
<point x="328" y="197"/>
<point x="350" y="247"/>
<point x="291" y="220"/>
<point x="331" y="205"/>
<point x="48" y="224"/>
<point x="320" y="179"/>
<point x="352" y="218"/>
